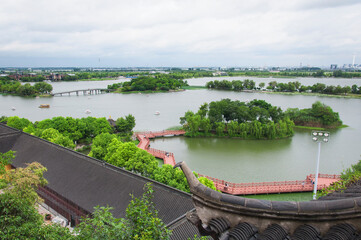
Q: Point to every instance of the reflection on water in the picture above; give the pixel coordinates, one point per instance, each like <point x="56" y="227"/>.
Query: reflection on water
<point x="234" y="145"/>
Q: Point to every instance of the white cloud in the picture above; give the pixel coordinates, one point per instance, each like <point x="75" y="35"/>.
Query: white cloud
<point x="187" y="32"/>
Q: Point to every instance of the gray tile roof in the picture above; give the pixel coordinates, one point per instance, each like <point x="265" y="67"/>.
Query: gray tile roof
<point x="89" y="182"/>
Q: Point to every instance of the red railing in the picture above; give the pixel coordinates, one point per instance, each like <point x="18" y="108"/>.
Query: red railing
<point x="229" y="187"/>
<point x="143" y="137"/>
<point x="268" y="187"/>
<point x="320" y="175"/>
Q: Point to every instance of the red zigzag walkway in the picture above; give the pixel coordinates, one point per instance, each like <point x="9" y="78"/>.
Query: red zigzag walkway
<point x="144" y="137"/>
<point x="324" y="180"/>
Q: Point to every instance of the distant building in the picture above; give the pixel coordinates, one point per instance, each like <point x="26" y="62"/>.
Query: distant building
<point x="219" y="74"/>
<point x="333" y="66"/>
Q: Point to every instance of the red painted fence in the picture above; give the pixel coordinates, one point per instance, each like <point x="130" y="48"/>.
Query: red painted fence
<point x="237" y="188"/>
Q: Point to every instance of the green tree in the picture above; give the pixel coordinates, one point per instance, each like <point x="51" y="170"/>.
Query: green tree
<point x="5" y="159"/>
<point x="100" y="145"/>
<point x="141" y="222"/>
<point x="42" y="87"/>
<point x="261" y="85"/>
<point x="18" y="123"/>
<point x="56" y="137"/>
<point x="19" y="218"/>
<point x="23" y="182"/>
<point x="125" y="125"/>
<point x="207" y="182"/>
<point x="26" y="90"/>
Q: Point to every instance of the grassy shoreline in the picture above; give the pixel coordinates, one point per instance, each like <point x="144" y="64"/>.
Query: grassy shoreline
<point x="298" y="197"/>
<point x="319" y="128"/>
<point x="350" y="95"/>
<point x="314" y="94"/>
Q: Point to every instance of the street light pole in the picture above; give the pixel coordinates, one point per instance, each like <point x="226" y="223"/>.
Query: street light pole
<point x="319" y="137"/>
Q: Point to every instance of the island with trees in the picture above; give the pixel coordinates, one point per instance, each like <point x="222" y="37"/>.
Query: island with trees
<point x="161" y="82"/>
<point x="318" y="116"/>
<point x="14" y="87"/>
<point x="290" y="87"/>
<point x="256" y="119"/>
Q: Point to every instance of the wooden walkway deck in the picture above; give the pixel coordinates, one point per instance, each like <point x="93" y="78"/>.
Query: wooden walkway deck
<point x="324" y="180"/>
<point x="143" y="137"/>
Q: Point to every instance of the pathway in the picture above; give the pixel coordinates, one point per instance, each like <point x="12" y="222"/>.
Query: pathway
<point x="324" y="180"/>
<point x="143" y="137"/>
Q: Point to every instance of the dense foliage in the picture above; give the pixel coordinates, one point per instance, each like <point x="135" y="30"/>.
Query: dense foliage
<point x="63" y="131"/>
<point x="320" y="115"/>
<point x="160" y="82"/>
<point x="127" y="155"/>
<point x="238" y="85"/>
<point x="141" y="222"/>
<point x="248" y="120"/>
<point x="15" y="87"/>
<point x="349" y="177"/>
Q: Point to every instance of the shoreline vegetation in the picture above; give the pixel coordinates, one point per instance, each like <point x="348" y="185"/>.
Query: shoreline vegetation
<point x="289" y="88"/>
<point x="256" y="119"/>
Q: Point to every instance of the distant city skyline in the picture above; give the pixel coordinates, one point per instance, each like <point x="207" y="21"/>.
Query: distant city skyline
<point x="171" y="33"/>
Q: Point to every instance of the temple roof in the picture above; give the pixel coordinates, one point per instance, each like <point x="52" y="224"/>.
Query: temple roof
<point x="89" y="182"/>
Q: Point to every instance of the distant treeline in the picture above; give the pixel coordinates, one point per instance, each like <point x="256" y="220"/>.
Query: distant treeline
<point x="161" y="82"/>
<point x="15" y="87"/>
<point x="307" y="72"/>
<point x="238" y="85"/>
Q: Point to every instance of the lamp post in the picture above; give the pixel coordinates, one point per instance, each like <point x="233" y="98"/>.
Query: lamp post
<point x="319" y="137"/>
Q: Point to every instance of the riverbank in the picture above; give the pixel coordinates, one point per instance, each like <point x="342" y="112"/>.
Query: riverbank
<point x="193" y="87"/>
<point x="349" y="95"/>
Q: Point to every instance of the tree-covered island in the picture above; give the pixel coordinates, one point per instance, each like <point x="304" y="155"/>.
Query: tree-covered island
<point x="319" y="116"/>
<point x="161" y="82"/>
<point x="290" y="87"/>
<point x="256" y="119"/>
<point x="14" y="87"/>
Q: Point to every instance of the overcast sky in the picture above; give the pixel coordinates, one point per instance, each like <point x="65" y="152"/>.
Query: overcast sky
<point x="123" y="33"/>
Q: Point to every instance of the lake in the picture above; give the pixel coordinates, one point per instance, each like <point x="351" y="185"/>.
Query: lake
<point x="230" y="159"/>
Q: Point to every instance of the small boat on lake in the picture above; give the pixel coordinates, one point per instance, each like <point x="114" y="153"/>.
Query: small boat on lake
<point x="88" y="111"/>
<point x="13" y="108"/>
<point x="44" y="106"/>
<point x="156" y="113"/>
